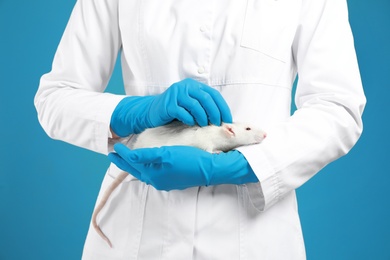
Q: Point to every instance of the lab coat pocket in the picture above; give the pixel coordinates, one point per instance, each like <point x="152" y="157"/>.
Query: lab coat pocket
<point x="269" y="27"/>
<point x="113" y="171"/>
<point x="121" y="220"/>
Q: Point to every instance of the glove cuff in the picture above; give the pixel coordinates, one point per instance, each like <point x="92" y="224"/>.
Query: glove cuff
<point x="231" y="168"/>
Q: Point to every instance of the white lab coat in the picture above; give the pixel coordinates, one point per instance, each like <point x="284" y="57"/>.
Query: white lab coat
<point x="251" y="52"/>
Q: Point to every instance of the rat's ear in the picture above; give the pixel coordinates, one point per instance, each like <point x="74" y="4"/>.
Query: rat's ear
<point x="228" y="130"/>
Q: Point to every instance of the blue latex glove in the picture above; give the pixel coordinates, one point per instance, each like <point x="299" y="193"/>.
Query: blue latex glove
<point x="180" y="167"/>
<point x="188" y="101"/>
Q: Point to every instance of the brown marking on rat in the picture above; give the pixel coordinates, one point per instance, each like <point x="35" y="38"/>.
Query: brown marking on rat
<point x="213" y="139"/>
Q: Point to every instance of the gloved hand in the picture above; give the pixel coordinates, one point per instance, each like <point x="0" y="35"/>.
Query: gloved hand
<point x="188" y="101"/>
<point x="180" y="167"/>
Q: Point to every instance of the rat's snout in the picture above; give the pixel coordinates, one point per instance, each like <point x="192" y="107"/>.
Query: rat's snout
<point x="260" y="136"/>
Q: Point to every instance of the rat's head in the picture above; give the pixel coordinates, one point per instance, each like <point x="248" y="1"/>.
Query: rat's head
<point x="244" y="134"/>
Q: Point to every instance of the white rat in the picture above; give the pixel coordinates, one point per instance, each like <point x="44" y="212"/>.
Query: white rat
<point x="213" y="139"/>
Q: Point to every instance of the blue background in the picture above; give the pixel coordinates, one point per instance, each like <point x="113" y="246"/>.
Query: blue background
<point x="48" y="188"/>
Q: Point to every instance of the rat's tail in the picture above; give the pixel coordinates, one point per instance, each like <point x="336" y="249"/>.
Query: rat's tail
<point x="100" y="232"/>
<point x="118" y="180"/>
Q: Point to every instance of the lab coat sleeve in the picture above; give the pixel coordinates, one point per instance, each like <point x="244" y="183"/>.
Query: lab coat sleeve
<point x="70" y="101"/>
<point x="329" y="100"/>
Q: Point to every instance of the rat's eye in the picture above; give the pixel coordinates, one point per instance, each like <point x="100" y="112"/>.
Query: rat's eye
<point x="248" y="129"/>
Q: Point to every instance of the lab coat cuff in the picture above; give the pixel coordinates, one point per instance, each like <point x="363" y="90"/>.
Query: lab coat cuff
<point x="103" y="116"/>
<point x="266" y="192"/>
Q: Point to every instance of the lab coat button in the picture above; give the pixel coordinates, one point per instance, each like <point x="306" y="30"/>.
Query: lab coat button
<point x="203" y="28"/>
<point x="201" y="70"/>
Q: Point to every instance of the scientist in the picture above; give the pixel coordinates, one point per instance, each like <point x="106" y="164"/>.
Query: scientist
<point x="205" y="62"/>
